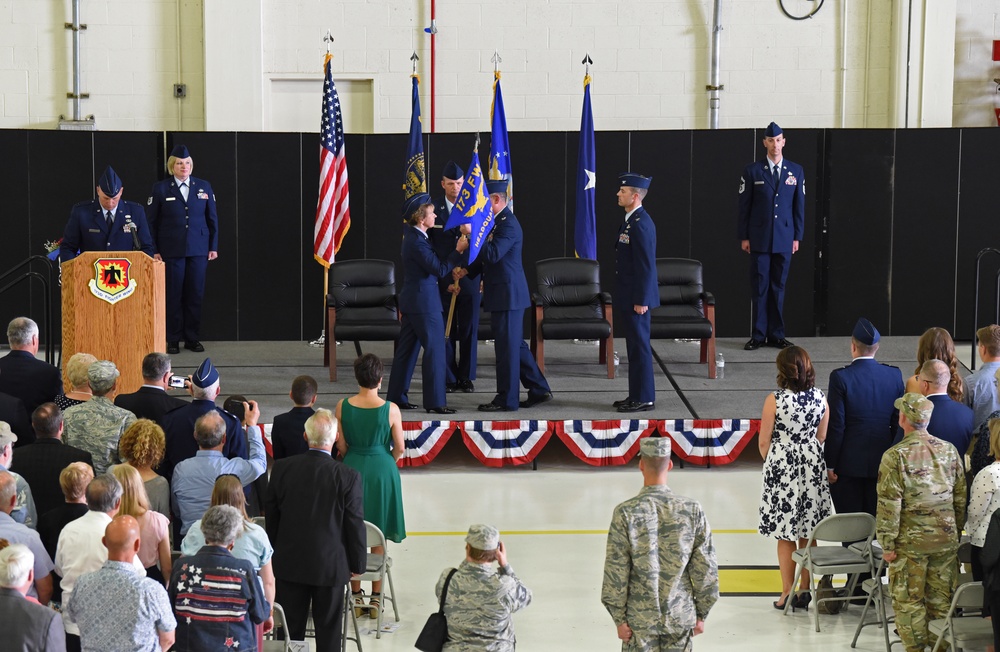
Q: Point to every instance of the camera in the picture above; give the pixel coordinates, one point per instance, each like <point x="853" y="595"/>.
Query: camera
<point x="178" y="381"/>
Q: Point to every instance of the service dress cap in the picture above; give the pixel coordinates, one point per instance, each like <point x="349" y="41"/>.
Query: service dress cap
<point x="494" y="186"/>
<point x="410" y="204"/>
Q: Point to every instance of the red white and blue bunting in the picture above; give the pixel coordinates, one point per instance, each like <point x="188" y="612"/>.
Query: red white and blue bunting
<point x="604" y="443"/>
<point x="424" y="440"/>
<point x="504" y="443"/>
<point x="715" y="441"/>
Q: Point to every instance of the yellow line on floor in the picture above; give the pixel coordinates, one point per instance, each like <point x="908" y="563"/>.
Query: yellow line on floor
<point x="744" y="581"/>
<point x="550" y="532"/>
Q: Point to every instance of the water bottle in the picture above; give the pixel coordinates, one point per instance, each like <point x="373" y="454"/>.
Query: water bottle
<point x="720" y="366"/>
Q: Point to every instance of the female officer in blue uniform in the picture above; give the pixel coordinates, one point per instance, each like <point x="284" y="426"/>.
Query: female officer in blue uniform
<point x="186" y="232"/>
<point x="420" y="305"/>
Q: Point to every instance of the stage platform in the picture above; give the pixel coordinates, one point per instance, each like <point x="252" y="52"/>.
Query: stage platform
<point x="711" y="421"/>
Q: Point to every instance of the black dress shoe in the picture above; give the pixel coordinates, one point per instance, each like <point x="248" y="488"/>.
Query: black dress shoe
<point x="465" y="386"/>
<point x="752" y="345"/>
<point x="407" y="406"/>
<point x="636" y="406"/>
<point x="493" y="407"/>
<point x="779" y="344"/>
<point x="618" y="404"/>
<point x="535" y="399"/>
<point x="173" y="348"/>
<point x="194" y="346"/>
<point x="444" y="409"/>
<point x="451" y="388"/>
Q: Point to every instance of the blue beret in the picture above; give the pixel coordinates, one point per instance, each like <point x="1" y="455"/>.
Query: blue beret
<point x="206" y="375"/>
<point x="865" y="332"/>
<point x="410" y="204"/>
<point x="633" y="180"/>
<point x="772" y="131"/>
<point x="496" y="186"/>
<point x="181" y="151"/>
<point x="452" y="171"/>
<point x="109" y="183"/>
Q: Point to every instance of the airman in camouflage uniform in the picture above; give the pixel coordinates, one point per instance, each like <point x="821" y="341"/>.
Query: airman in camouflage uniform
<point x="24" y="509"/>
<point x="659" y="590"/>
<point x="921" y="502"/>
<point x="480" y="601"/>
<point x="96" y="425"/>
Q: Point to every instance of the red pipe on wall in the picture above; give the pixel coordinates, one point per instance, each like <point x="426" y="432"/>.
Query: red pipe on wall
<point x="433" y="53"/>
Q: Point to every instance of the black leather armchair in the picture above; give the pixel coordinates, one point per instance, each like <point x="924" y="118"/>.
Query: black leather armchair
<point x="361" y="306"/>
<point x="686" y="311"/>
<point x="569" y="305"/>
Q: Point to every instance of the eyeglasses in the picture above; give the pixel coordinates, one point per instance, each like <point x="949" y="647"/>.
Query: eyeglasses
<point x="923" y="380"/>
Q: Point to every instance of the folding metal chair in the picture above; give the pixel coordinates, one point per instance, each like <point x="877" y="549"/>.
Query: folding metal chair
<point x="835" y="560"/>
<point x="958" y="629"/>
<point x="379" y="568"/>
<point x="349" y="615"/>
<point x="271" y="642"/>
<point x="878" y="595"/>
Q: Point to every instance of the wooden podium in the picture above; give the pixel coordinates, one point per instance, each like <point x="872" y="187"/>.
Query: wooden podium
<point x="114" y="307"/>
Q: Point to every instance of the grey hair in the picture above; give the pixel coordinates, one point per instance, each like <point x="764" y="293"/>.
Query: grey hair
<point x="321" y="429"/>
<point x="209" y="430"/>
<point x="16" y="562"/>
<point x="8" y="487"/>
<point x="937" y="372"/>
<point x="221" y="524"/>
<point x="103" y="493"/>
<point x="204" y="393"/>
<point x="20" y="330"/>
<point x="154" y="365"/>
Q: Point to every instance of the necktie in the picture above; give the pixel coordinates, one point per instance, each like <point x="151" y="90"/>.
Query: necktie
<point x="111" y="220"/>
<point x="184" y="191"/>
<point x="774" y="175"/>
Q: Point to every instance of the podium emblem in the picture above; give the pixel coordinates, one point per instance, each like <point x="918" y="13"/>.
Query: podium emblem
<point x="112" y="281"/>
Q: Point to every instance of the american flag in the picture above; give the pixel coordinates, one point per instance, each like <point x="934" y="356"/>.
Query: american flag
<point x="333" y="211"/>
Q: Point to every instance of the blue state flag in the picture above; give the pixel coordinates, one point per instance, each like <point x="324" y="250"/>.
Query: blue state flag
<point x="586" y="180"/>
<point x="499" y="145"/>
<point x="473" y="208"/>
<point x="415" y="178"/>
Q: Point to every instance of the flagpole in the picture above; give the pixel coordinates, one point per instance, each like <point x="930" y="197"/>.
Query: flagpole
<point x="321" y="340"/>
<point x="454" y="295"/>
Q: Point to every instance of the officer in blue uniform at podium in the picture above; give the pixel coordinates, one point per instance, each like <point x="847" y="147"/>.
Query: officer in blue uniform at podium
<point x="186" y="231"/>
<point x="771" y="223"/>
<point x="107" y="223"/>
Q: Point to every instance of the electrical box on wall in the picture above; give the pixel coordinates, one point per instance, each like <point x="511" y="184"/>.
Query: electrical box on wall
<point x="180" y="90"/>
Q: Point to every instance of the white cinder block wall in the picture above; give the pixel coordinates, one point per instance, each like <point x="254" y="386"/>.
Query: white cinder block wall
<point x="651" y="61"/>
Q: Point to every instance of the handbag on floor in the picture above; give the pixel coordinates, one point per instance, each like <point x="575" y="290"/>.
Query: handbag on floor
<point x="825" y="590"/>
<point x="435" y="632"/>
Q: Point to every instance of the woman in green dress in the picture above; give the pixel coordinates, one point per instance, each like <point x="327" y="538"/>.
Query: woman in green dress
<point x="370" y="441"/>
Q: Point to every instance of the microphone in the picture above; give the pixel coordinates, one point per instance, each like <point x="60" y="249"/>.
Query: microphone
<point x="133" y="229"/>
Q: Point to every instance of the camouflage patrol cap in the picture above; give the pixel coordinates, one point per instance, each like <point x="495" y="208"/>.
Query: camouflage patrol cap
<point x="915" y="407"/>
<point x="483" y="537"/>
<point x="7" y="436"/>
<point x="102" y="375"/>
<point x="654" y="447"/>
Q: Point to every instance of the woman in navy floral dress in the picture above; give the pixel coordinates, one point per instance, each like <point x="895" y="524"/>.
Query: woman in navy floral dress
<point x="796" y="494"/>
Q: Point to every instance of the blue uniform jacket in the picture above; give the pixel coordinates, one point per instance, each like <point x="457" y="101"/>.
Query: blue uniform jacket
<point x="772" y="220"/>
<point x="444" y="244"/>
<point x="87" y="230"/>
<point x="179" y="428"/>
<point x="499" y="261"/>
<point x="862" y="417"/>
<point x="951" y="421"/>
<point x="421" y="270"/>
<point x="183" y="229"/>
<point x="635" y="263"/>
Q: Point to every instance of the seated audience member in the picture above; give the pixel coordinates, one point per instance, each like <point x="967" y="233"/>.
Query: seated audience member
<point x="76" y="372"/>
<point x="14" y="532"/>
<point x="12" y="411"/>
<point x="151" y="401"/>
<point x="251" y="543"/>
<point x="41" y="463"/>
<point x="80" y="550"/>
<point x="142" y="446"/>
<point x="194" y="479"/>
<point x="256" y="490"/>
<point x="97" y="425"/>
<point x="154" y="528"/>
<point x="117" y="608"/>
<point x="951" y="421"/>
<point x="73" y="480"/>
<point x="23" y="375"/>
<point x="204" y="387"/>
<point x="288" y="428"/>
<point x="214" y="594"/>
<point x="27" y="625"/>
<point x="24" y="511"/>
<point x="980" y="387"/>
<point x="984" y="499"/>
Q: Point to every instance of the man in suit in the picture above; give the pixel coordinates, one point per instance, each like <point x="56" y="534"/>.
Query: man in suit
<point x="636" y="290"/>
<point x="422" y="325"/>
<point x="27" y="624"/>
<point x="151" y="401"/>
<point x="24" y="376"/>
<point x="41" y="463"/>
<point x="287" y="429"/>
<point x="863" y="422"/>
<point x="12" y="411"/>
<point x="178" y="425"/>
<point x="462" y="342"/>
<point x="186" y="232"/>
<point x="315" y="521"/>
<point x="505" y="295"/>
<point x="108" y="223"/>
<point x="951" y="421"/>
<point x="771" y="225"/>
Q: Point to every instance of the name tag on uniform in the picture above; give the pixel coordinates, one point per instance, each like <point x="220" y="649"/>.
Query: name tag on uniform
<point x="758" y="183"/>
<point x="202" y="195"/>
<point x="169" y="199"/>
